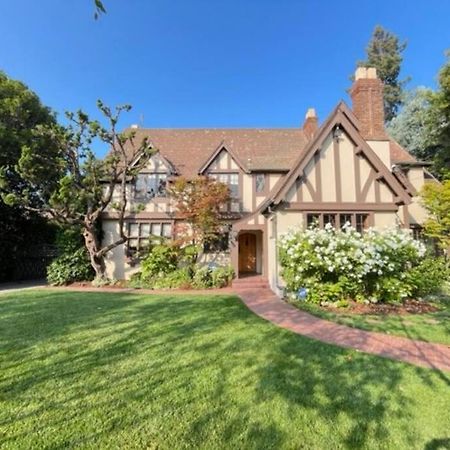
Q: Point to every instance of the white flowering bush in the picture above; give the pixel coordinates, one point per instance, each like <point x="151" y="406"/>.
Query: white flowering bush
<point x="329" y="265"/>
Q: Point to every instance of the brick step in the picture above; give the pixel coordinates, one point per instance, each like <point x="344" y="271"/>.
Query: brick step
<point x="252" y="286"/>
<point x="250" y="283"/>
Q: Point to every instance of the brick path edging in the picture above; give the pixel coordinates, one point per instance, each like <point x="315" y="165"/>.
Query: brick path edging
<point x="267" y="305"/>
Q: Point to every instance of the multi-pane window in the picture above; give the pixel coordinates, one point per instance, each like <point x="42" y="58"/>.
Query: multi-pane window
<point x="329" y="219"/>
<point x="149" y="185"/>
<point x="359" y="221"/>
<point x="260" y="183"/>
<point x="312" y="220"/>
<point x="140" y="234"/>
<point x="232" y="181"/>
<point x="416" y="232"/>
<point x="344" y="219"/>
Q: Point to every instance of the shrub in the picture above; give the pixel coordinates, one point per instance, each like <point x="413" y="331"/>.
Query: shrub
<point x="206" y="277"/>
<point x="202" y="278"/>
<point x="179" y="279"/>
<point x="136" y="281"/>
<point x="339" y="264"/>
<point x="70" y="267"/>
<point x="161" y="260"/>
<point x="73" y="262"/>
<point x="222" y="276"/>
<point x="429" y="275"/>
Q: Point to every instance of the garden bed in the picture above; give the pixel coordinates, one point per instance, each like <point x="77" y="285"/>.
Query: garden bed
<point x="409" y="306"/>
<point x="414" y="319"/>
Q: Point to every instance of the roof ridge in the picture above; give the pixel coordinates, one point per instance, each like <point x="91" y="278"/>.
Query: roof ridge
<point x="218" y="129"/>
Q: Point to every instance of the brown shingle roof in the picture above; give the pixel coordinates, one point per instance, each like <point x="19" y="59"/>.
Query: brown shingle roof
<point x="273" y="149"/>
<point x="399" y="154"/>
<point x="258" y="149"/>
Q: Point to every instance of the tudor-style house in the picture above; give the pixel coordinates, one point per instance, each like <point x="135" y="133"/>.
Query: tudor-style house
<point x="347" y="169"/>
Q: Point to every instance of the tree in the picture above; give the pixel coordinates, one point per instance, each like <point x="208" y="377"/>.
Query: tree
<point x="21" y="113"/>
<point x="199" y="203"/>
<point x="436" y="200"/>
<point x="71" y="186"/>
<point x="384" y="52"/>
<point x="440" y="122"/>
<point x="99" y="9"/>
<point x="411" y="127"/>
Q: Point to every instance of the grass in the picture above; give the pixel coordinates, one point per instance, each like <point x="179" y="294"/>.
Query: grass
<point x="429" y="327"/>
<point x="116" y="370"/>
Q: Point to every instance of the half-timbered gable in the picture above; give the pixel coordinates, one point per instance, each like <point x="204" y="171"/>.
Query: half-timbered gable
<point x="339" y="178"/>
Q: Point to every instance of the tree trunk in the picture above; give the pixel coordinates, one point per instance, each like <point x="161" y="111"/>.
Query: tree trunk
<point x="97" y="262"/>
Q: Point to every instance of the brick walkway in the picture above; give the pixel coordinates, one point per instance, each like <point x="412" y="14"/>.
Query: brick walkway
<point x="267" y="305"/>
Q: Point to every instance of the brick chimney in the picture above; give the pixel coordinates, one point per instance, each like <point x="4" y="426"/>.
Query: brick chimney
<point x="367" y="100"/>
<point x="311" y="123"/>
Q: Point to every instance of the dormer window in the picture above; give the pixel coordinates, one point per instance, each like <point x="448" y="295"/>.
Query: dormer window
<point x="150" y="185"/>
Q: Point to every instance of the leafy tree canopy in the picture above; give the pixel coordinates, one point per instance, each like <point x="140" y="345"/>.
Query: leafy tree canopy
<point x="99" y="8"/>
<point x="199" y="202"/>
<point x="21" y="115"/>
<point x="440" y="122"/>
<point x="436" y="200"/>
<point x="411" y="127"/>
<point x="384" y="52"/>
<point x="68" y="184"/>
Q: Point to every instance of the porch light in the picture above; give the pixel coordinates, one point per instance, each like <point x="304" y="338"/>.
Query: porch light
<point x="337" y="133"/>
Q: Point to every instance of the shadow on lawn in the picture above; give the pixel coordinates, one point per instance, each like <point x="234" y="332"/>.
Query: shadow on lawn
<point x="124" y="356"/>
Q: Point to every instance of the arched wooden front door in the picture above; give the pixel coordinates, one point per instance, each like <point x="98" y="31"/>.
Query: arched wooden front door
<point x="247" y="253"/>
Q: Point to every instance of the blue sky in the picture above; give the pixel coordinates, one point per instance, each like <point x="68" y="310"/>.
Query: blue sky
<point x="208" y="63"/>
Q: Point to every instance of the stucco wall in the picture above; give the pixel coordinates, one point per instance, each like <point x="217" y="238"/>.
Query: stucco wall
<point x="385" y="219"/>
<point x="116" y="266"/>
<point x="287" y="220"/>
<point x="382" y="149"/>
<point x="247" y="192"/>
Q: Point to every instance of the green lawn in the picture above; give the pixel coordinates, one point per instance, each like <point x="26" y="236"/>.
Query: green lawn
<point x="111" y="370"/>
<point x="430" y="327"/>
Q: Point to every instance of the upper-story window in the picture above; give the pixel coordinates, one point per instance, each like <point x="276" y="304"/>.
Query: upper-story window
<point x="260" y="183"/>
<point x="149" y="185"/>
<point x="232" y="181"/>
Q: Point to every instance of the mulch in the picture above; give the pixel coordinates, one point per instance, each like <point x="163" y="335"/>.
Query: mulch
<point x="409" y="306"/>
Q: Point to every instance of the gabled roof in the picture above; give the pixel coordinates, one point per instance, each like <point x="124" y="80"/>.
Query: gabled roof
<point x="164" y="160"/>
<point x="343" y="117"/>
<point x="399" y="154"/>
<point x="216" y="152"/>
<point x="256" y="149"/>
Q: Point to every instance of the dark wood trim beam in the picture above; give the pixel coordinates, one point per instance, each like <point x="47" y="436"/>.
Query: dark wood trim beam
<point x="318" y="170"/>
<point x="332" y="207"/>
<point x="138" y="216"/>
<point x="365" y="190"/>
<point x="337" y="169"/>
<point x="357" y="168"/>
<point x="378" y="191"/>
